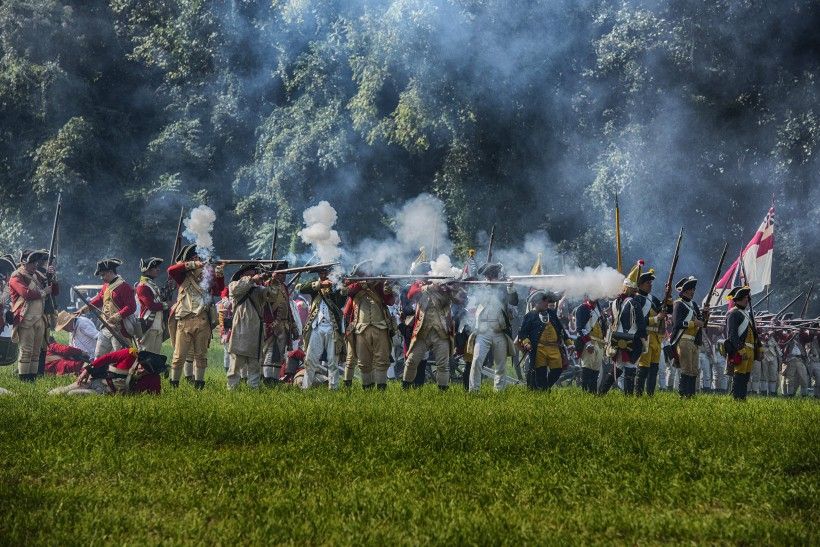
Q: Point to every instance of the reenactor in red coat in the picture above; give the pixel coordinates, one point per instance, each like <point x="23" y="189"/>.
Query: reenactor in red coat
<point x="28" y="289"/>
<point x="117" y="303"/>
<point x="152" y="306"/>
<point x="194" y="313"/>
<point x="122" y="372"/>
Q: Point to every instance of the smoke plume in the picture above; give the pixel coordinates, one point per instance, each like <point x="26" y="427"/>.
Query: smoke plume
<point x="319" y="232"/>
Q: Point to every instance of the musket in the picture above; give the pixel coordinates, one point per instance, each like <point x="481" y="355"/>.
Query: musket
<point x="789" y="305"/>
<point x="296" y="277"/>
<point x="169" y="282"/>
<point x="302" y="269"/>
<point x="115" y="332"/>
<point x="618" y="234"/>
<point x="490" y="246"/>
<point x="667" y="291"/>
<point x="54" y="228"/>
<point x="235" y="261"/>
<point x="806" y="303"/>
<point x="766" y="298"/>
<point x="275" y="237"/>
<point x="714" y="282"/>
<point x="394" y="277"/>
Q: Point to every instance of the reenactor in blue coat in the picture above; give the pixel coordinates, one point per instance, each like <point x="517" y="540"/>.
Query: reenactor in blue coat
<point x="542" y="336"/>
<point x="687" y="335"/>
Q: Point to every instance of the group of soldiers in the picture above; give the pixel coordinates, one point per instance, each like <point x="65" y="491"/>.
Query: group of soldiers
<point x="277" y="330"/>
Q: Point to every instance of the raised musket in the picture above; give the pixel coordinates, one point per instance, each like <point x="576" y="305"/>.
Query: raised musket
<point x="667" y="289"/>
<point x="806" y="303"/>
<point x="115" y="332"/>
<point x="715" y="279"/>
<point x="275" y="237"/>
<point x="54" y="228"/>
<point x="490" y="246"/>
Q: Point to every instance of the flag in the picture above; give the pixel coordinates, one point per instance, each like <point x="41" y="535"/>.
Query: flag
<point x="757" y="261"/>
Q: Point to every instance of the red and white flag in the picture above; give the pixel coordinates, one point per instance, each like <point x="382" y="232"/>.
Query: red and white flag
<point x="757" y="263"/>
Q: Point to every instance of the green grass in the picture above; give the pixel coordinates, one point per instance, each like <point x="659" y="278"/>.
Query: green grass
<point x="281" y="466"/>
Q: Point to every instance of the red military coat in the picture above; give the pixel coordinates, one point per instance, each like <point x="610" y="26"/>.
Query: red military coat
<point x="62" y="359"/>
<point x="123" y="297"/>
<point x="120" y="362"/>
<point x="19" y="289"/>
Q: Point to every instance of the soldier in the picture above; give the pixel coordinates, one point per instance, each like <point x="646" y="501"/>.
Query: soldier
<point x="224" y="310"/>
<point x="280" y="328"/>
<point x="81" y="330"/>
<point x="742" y="341"/>
<point x="116" y="302"/>
<point x="814" y="362"/>
<point x="654" y="312"/>
<point x="124" y="371"/>
<point x="433" y="329"/>
<point x="687" y="335"/>
<point x="542" y="337"/>
<point x="322" y="332"/>
<point x="795" y="373"/>
<point x="249" y="296"/>
<point x="590" y="324"/>
<point x="407" y="321"/>
<point x="371" y="328"/>
<point x="772" y="360"/>
<point x="195" y="318"/>
<point x="628" y="331"/>
<point x="152" y="306"/>
<point x="28" y="290"/>
<point x="493" y="328"/>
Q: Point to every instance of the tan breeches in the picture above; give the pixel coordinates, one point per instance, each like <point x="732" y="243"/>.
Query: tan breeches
<point x="373" y="355"/>
<point x="688" y="357"/>
<point x="30" y="339"/>
<point x="440" y="347"/>
<point x="193" y="336"/>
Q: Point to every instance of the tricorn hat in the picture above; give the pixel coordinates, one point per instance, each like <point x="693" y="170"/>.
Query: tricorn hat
<point x="245" y="268"/>
<point x="540" y="294"/>
<point x="7" y="265"/>
<point x="153" y="363"/>
<point x="631" y="280"/>
<point x="361" y="269"/>
<point x="28" y="256"/>
<point x="491" y="269"/>
<point x="108" y="265"/>
<point x="686" y="283"/>
<point x="186" y="253"/>
<point x="149" y="263"/>
<point x="648" y="275"/>
<point x="739" y="292"/>
<point x="64" y="319"/>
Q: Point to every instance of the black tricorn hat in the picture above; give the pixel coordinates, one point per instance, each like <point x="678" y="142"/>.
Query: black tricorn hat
<point x="153" y="363"/>
<point x="148" y="263"/>
<point x="7" y="265"/>
<point x="738" y="292"/>
<point x="243" y="269"/>
<point x="648" y="275"/>
<point x="108" y="265"/>
<point x="186" y="253"/>
<point x="28" y="256"/>
<point x="491" y="269"/>
<point x="686" y="283"/>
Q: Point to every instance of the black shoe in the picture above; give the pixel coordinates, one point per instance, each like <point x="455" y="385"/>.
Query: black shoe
<point x="382" y="387"/>
<point x="270" y="382"/>
<point x="443" y="388"/>
<point x="199" y="384"/>
<point x="406" y="385"/>
<point x="28" y="378"/>
<point x="174" y="383"/>
<point x="368" y="386"/>
<point x="348" y="383"/>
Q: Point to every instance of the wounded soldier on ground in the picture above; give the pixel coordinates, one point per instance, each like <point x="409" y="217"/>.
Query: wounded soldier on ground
<point x="123" y="372"/>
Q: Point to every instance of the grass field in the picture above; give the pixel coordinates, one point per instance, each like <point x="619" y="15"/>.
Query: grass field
<point x="283" y="466"/>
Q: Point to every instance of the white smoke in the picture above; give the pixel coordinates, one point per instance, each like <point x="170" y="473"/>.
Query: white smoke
<point x="319" y="232"/>
<point x="198" y="228"/>
<point x="419" y="222"/>
<point x="444" y="266"/>
<point x="600" y="282"/>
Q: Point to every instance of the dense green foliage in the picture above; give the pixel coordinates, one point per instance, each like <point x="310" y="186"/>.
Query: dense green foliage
<point x="282" y="466"/>
<point x="529" y="114"/>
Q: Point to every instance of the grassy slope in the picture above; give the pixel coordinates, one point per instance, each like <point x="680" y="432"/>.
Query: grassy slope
<point x="356" y="467"/>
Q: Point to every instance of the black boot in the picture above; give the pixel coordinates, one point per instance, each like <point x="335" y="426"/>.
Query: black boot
<point x="199" y="384"/>
<point x="28" y="378"/>
<point x="368" y="386"/>
<point x="348" y="384"/>
<point x="443" y="388"/>
<point x="270" y="382"/>
<point x="640" y="381"/>
<point x="174" y="383"/>
<point x="382" y="387"/>
<point x="405" y="385"/>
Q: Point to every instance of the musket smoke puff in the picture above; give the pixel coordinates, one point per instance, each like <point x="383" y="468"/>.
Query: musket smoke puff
<point x="443" y="266"/>
<point x="198" y="228"/>
<point x="319" y="232"/>
<point x="600" y="282"/>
